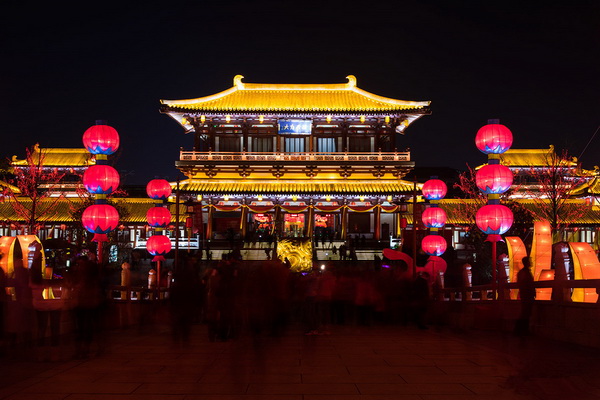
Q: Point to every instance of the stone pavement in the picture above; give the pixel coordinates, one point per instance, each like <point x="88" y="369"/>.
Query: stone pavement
<point x="351" y="363"/>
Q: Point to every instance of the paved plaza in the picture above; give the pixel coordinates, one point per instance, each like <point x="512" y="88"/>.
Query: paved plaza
<point x="350" y="363"/>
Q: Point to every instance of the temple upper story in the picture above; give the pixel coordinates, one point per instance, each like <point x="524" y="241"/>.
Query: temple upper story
<point x="255" y="99"/>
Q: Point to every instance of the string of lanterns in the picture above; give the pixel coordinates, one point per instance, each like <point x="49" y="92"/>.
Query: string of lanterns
<point x="100" y="180"/>
<point x="434" y="217"/>
<point x="494" y="219"/>
<point x="158" y="217"/>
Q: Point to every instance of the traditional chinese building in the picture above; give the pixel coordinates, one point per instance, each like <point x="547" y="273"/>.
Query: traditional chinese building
<point x="297" y="160"/>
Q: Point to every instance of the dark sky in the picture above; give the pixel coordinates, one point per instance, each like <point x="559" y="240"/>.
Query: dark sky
<point x="533" y="65"/>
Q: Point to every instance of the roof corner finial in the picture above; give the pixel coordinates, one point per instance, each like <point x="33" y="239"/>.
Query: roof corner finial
<point x="237" y="81"/>
<point x="351" y="81"/>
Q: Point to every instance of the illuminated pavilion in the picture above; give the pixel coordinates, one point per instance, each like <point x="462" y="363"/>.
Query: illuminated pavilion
<point x="297" y="160"/>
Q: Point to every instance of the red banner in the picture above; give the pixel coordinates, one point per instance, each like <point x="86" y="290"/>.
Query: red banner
<point x="226" y="208"/>
<point x="361" y="208"/>
<point x="294" y="209"/>
<point x="260" y="209"/>
<point x="388" y="209"/>
<point x="328" y="208"/>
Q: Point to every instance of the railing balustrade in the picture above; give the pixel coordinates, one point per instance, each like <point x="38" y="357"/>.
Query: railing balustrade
<point x="279" y="157"/>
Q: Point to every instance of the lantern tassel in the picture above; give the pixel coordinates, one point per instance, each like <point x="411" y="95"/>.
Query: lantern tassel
<point x="100" y="237"/>
<point x="494" y="238"/>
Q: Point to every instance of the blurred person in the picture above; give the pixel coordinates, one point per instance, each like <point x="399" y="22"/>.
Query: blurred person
<point x="183" y="301"/>
<point x="420" y="298"/>
<point x="87" y="300"/>
<point x="19" y="310"/>
<point x="527" y="294"/>
<point x="48" y="313"/>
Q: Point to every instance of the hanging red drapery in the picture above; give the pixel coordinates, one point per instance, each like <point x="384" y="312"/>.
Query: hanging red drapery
<point x="360" y="208"/>
<point x="322" y="208"/>
<point x="260" y="209"/>
<point x="294" y="209"/>
<point x="226" y="208"/>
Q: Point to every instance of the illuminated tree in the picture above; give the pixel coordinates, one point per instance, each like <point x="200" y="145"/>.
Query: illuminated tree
<point x="551" y="186"/>
<point x="33" y="196"/>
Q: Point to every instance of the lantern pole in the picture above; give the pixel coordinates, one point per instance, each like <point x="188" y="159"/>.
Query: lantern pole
<point x="414" y="236"/>
<point x="493" y="139"/>
<point x="177" y="226"/>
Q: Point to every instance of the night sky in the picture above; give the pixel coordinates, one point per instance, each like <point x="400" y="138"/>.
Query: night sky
<point x="533" y="65"/>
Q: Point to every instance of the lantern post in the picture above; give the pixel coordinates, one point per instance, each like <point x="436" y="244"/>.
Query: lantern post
<point x="494" y="179"/>
<point x="434" y="217"/>
<point x="158" y="217"/>
<point x="100" y="180"/>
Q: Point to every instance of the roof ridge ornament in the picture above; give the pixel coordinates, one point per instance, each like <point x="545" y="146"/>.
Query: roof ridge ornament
<point x="351" y="81"/>
<point x="237" y="81"/>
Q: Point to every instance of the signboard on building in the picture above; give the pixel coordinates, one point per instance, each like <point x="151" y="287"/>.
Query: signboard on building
<point x="294" y="126"/>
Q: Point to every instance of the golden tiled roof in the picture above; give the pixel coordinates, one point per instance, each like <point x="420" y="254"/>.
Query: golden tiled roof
<point x="136" y="209"/>
<point x="300" y="98"/>
<point x="530" y="157"/>
<point x="456" y="210"/>
<point x="58" y="157"/>
<point x="591" y="187"/>
<point x="208" y="186"/>
<point x="7" y="185"/>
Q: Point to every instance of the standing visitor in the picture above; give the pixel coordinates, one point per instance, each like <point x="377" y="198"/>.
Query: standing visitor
<point x="527" y="296"/>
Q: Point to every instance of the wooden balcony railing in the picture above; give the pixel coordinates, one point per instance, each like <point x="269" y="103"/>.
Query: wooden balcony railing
<point x="293" y="157"/>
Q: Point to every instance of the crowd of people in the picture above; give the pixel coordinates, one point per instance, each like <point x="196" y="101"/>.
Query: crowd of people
<point x="231" y="298"/>
<point x="33" y="308"/>
<point x="238" y="297"/>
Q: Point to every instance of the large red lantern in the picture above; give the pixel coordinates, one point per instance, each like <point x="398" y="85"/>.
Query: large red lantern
<point x="101" y="179"/>
<point x="434" y="217"/>
<point x="434" y="189"/>
<point x="493" y="139"/>
<point x="158" y="189"/>
<point x="100" y="219"/>
<point x="434" y="245"/>
<point x="101" y="139"/>
<point x="494" y="219"/>
<point x="158" y="246"/>
<point x="158" y="217"/>
<point x="494" y="179"/>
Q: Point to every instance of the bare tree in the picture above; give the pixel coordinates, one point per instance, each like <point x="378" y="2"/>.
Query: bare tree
<point x="33" y="197"/>
<point x="552" y="185"/>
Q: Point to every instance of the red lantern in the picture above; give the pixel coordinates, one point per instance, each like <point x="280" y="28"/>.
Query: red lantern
<point x="494" y="179"/>
<point x="158" y="189"/>
<point x="494" y="219"/>
<point x="101" y="179"/>
<point x="101" y="139"/>
<point x="158" y="246"/>
<point x="434" y="245"/>
<point x="100" y="218"/>
<point x="493" y="139"/>
<point x="189" y="222"/>
<point x="403" y="223"/>
<point x="158" y="217"/>
<point x="434" y="189"/>
<point x="434" y="217"/>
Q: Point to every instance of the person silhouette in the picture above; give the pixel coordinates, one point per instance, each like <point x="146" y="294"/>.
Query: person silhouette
<point x="527" y="293"/>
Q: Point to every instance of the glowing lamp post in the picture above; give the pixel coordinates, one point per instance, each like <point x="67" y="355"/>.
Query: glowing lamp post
<point x="100" y="180"/>
<point x="494" y="179"/>
<point x="159" y="218"/>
